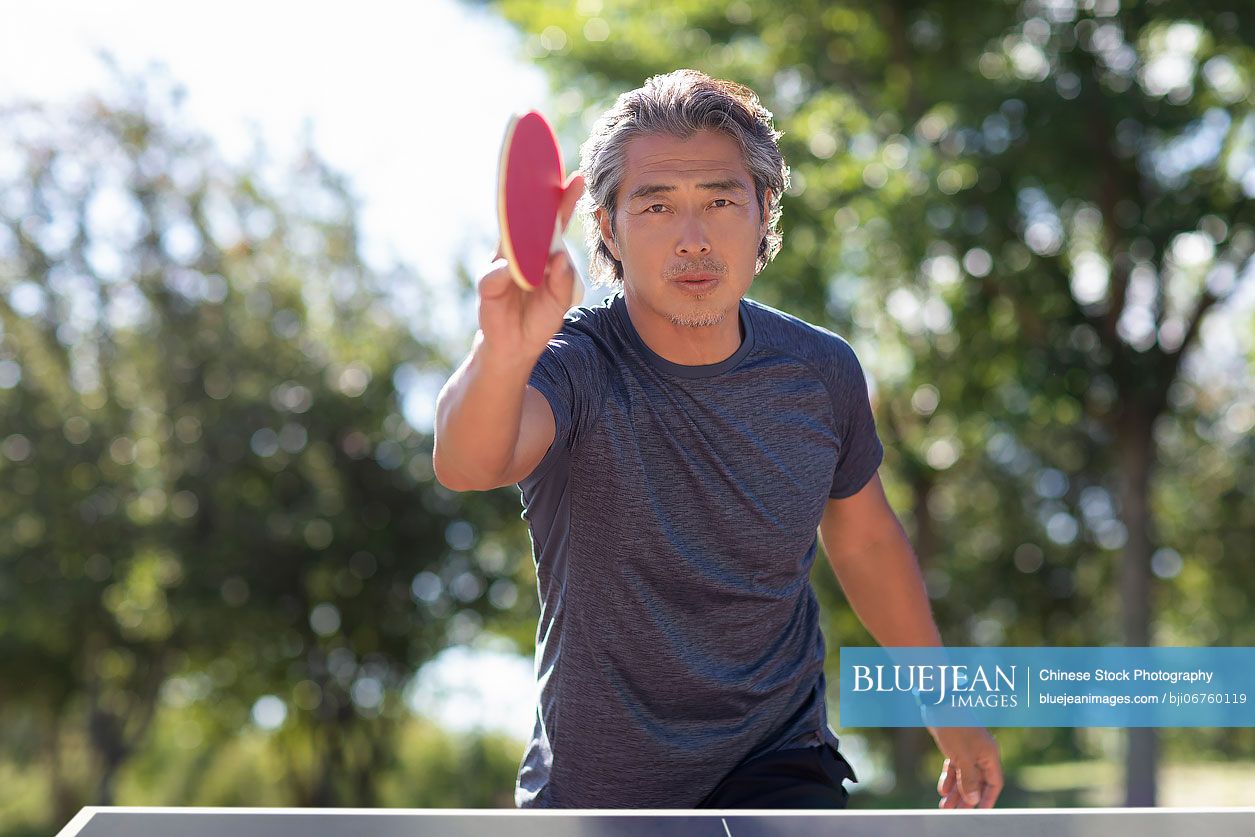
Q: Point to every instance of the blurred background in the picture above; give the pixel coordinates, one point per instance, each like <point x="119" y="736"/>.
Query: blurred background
<point x="237" y="256"/>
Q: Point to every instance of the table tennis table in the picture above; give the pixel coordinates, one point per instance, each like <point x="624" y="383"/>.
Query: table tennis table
<point x="400" y="822"/>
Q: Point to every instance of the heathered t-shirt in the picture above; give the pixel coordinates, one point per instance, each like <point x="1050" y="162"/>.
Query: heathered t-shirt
<point x="673" y="525"/>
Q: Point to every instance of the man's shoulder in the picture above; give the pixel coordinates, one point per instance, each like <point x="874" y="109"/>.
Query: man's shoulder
<point x="586" y="338"/>
<point x="591" y="320"/>
<point x="794" y="336"/>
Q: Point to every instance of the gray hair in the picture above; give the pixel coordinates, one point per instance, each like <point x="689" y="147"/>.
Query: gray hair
<point x="679" y="103"/>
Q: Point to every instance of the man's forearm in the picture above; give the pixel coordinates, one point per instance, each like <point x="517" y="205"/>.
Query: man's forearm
<point x="478" y="415"/>
<point x="884" y="586"/>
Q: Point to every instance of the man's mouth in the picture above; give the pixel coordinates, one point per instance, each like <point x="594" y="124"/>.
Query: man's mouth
<point x="697" y="281"/>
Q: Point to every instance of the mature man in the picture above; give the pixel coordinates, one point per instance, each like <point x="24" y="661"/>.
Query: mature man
<point x="677" y="446"/>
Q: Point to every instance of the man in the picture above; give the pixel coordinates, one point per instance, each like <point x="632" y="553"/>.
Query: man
<point x="677" y="447"/>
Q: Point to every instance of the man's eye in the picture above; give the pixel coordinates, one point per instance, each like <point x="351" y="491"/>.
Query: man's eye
<point x="649" y="210"/>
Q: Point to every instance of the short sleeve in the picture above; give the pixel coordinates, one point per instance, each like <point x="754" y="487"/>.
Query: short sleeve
<point x="571" y="376"/>
<point x="860" y="451"/>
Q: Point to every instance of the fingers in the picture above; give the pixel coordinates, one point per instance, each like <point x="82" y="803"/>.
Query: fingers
<point x="945" y="782"/>
<point x="497" y="280"/>
<point x="948" y="787"/>
<point x="959" y="787"/>
<point x="989" y="795"/>
<point x="973" y="786"/>
<point x="969" y="784"/>
<point x="562" y="283"/>
<point x="972" y="776"/>
<point x="993" y="785"/>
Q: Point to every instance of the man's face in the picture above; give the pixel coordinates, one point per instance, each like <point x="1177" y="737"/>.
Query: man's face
<point x="687" y="226"/>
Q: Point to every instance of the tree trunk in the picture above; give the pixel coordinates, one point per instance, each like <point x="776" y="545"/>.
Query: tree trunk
<point x="911" y="744"/>
<point x="111" y="753"/>
<point x="1137" y="460"/>
<point x="65" y="798"/>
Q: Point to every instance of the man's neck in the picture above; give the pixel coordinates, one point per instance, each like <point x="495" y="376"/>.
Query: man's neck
<point x="685" y="345"/>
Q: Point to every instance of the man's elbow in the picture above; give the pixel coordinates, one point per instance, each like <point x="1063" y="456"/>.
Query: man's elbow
<point x="456" y="480"/>
<point x="449" y="477"/>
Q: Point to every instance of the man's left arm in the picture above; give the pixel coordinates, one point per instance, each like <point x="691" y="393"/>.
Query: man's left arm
<point x="879" y="573"/>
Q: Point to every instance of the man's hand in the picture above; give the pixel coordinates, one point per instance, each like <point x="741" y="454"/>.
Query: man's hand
<point x="519" y="323"/>
<point x="971" y="776"/>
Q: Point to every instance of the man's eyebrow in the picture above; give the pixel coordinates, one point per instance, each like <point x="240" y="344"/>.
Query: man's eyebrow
<point x="732" y="184"/>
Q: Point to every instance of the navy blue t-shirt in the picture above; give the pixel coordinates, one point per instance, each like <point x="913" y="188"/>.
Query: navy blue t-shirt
<point x="673" y="525"/>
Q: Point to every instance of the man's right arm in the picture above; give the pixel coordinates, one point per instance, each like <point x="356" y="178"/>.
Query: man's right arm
<point x="492" y="428"/>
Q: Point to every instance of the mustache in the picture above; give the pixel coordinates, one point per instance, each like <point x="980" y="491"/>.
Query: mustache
<point x="702" y="266"/>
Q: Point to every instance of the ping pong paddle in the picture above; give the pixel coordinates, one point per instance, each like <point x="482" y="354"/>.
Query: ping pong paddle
<point x="530" y="185"/>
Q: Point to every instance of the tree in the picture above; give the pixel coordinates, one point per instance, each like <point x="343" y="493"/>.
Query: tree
<point x="208" y="493"/>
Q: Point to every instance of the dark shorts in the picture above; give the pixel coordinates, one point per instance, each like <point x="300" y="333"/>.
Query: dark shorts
<point x="806" y="777"/>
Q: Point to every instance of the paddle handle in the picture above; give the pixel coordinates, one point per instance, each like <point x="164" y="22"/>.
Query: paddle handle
<point x="555" y="244"/>
<point x="577" y="287"/>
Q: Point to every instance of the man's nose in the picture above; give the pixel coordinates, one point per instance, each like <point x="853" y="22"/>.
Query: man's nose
<point x="693" y="239"/>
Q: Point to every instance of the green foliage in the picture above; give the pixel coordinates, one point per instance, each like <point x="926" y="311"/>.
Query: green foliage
<point x="208" y="492"/>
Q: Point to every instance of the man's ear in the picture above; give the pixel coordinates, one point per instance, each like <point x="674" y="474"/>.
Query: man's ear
<point x="607" y="234"/>
<point x="763" y="213"/>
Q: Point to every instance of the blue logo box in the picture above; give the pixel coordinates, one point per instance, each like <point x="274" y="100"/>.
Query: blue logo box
<point x="1047" y="687"/>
